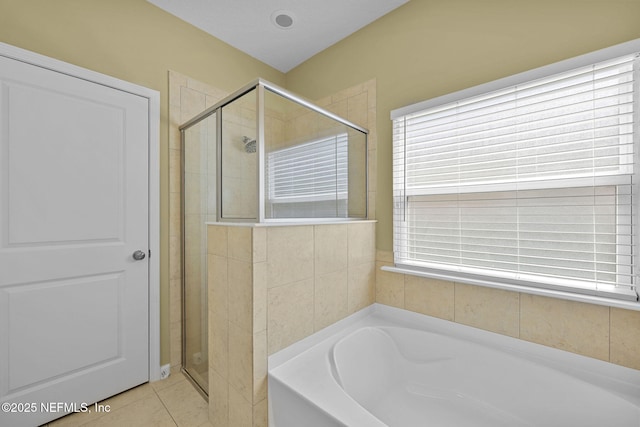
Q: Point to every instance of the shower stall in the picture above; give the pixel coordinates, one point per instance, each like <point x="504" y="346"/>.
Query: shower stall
<point x="261" y="155"/>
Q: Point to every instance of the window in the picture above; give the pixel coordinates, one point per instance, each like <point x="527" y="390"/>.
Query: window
<point x="309" y="179"/>
<point x="531" y="184"/>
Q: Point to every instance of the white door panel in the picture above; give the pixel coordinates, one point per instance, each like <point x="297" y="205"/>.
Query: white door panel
<point x="73" y="209"/>
<point x="83" y="199"/>
<point x="95" y="300"/>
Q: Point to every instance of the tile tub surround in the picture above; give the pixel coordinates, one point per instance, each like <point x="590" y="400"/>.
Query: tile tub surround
<point x="605" y="333"/>
<point x="270" y="286"/>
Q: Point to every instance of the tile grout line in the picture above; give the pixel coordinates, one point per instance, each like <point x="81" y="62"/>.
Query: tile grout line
<point x="162" y="401"/>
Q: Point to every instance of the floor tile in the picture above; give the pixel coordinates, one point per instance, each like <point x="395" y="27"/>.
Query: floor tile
<point x="187" y="407"/>
<point x="173" y="402"/>
<point x="148" y="411"/>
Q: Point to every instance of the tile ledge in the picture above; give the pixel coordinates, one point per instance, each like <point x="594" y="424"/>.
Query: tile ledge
<point x="609" y="302"/>
<point x="291" y="223"/>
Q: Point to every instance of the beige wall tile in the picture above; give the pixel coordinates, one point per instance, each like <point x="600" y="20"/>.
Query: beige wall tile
<point x="217" y="240"/>
<point x="194" y="161"/>
<point x="175" y="173"/>
<point x="259" y="366"/>
<point x="175" y="205"/>
<point x="369" y="85"/>
<point x="241" y="294"/>
<point x="339" y="107"/>
<point x="259" y="244"/>
<point x="384" y="256"/>
<point x="259" y="296"/>
<point x="176" y="80"/>
<point x="218" y="400"/>
<point x="357" y="109"/>
<point x="175" y="141"/>
<point x="210" y="101"/>
<point x="330" y="298"/>
<point x="339" y="96"/>
<point x="362" y="243"/>
<point x="372" y="164"/>
<point x="353" y="90"/>
<point x="240" y="243"/>
<point x="290" y="314"/>
<point x="205" y="88"/>
<point x="261" y="414"/>
<point x="240" y="410"/>
<point x="371" y="205"/>
<point x="371" y="107"/>
<point x="175" y="336"/>
<point x="568" y="325"/>
<point x="241" y="361"/>
<point x="362" y="286"/>
<point x="192" y="103"/>
<point x="217" y="284"/>
<point x="389" y="287"/>
<point x="491" y="309"/>
<point x="239" y="198"/>
<point x="625" y="338"/>
<point x="175" y="252"/>
<point x="323" y="102"/>
<point x="290" y="254"/>
<point x="175" y="296"/>
<point x="330" y="249"/>
<point x="219" y="344"/>
<point x="430" y="296"/>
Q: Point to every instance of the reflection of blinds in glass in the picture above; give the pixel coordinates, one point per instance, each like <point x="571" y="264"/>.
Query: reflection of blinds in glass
<point x="313" y="171"/>
<point x="530" y="183"/>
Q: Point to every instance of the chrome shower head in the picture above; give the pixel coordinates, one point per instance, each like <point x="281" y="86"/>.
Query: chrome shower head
<point x="249" y="144"/>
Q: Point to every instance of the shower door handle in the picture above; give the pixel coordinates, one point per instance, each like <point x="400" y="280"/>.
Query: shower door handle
<point x="138" y="255"/>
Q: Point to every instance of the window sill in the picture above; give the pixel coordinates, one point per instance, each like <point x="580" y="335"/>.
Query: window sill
<point x="628" y="305"/>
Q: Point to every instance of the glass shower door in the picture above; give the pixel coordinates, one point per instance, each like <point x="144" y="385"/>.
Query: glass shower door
<point x="199" y="207"/>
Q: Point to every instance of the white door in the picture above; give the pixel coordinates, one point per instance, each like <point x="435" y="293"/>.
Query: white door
<point x="73" y="209"/>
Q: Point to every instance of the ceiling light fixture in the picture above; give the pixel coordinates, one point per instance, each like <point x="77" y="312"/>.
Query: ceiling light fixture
<point x="282" y="19"/>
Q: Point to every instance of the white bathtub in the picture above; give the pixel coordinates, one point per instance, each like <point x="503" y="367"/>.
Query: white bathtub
<point x="389" y="367"/>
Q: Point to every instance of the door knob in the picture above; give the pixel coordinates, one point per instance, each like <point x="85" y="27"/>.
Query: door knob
<point x="138" y="255"/>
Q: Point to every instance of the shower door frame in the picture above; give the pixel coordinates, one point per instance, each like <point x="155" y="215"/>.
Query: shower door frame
<point x="260" y="85"/>
<point x="183" y="275"/>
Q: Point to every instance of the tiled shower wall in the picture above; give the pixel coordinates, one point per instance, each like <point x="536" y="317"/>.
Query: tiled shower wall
<point x="270" y="286"/>
<point x="606" y="333"/>
<point x="239" y="167"/>
<point x="189" y="97"/>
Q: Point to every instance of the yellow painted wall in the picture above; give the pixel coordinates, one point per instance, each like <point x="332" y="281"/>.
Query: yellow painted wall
<point x="137" y="42"/>
<point x="428" y="48"/>
<point x="423" y="49"/>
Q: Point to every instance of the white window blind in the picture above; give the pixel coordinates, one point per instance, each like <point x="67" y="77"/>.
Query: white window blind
<point x="532" y="184"/>
<point x="309" y="179"/>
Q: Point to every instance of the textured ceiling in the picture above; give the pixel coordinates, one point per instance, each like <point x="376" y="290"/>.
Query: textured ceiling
<point x="250" y="25"/>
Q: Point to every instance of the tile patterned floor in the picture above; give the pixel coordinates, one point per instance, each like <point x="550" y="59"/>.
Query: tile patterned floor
<point x="173" y="402"/>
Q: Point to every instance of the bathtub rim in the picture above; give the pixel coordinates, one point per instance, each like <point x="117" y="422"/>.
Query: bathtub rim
<point x="380" y="312"/>
<point x="619" y="380"/>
